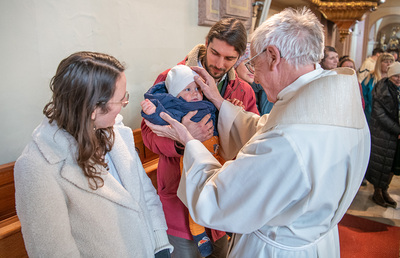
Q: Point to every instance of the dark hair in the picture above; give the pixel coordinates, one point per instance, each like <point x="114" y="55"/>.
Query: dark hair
<point x="230" y="30"/>
<point x="377" y="50"/>
<point x="83" y="82"/>
<point x="345" y="59"/>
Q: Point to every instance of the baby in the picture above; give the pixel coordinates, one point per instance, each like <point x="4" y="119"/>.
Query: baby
<point x="177" y="96"/>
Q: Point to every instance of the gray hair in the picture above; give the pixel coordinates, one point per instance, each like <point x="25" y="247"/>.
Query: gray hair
<point x="297" y="34"/>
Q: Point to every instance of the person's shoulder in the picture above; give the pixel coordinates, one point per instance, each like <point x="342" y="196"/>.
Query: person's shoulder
<point x="161" y="77"/>
<point x="370" y="61"/>
<point x="119" y="126"/>
<point x="382" y="88"/>
<point x="243" y="84"/>
<point x="31" y="160"/>
<point x="384" y="82"/>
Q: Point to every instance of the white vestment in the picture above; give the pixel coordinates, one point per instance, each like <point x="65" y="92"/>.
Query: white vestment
<point x="295" y="174"/>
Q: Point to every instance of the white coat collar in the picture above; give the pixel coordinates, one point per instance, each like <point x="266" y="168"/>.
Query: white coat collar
<point x="56" y="145"/>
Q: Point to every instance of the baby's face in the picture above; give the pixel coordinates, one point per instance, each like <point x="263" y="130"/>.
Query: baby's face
<point x="191" y="93"/>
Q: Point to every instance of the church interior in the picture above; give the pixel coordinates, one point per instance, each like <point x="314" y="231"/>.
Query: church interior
<point x="150" y="36"/>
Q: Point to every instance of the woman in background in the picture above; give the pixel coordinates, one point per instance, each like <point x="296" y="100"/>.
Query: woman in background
<point x="346" y="61"/>
<point x="385" y="135"/>
<point x="263" y="105"/>
<point x="379" y="72"/>
<point x="331" y="58"/>
<point x="80" y="187"/>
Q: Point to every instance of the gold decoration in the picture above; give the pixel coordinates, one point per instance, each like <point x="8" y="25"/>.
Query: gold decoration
<point x="344" y="13"/>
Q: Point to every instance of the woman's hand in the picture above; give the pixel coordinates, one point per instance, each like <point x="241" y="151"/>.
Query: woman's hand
<point x="208" y="86"/>
<point x="175" y="130"/>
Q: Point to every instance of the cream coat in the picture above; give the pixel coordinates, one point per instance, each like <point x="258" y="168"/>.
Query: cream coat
<point x="62" y="217"/>
<point x="295" y="174"/>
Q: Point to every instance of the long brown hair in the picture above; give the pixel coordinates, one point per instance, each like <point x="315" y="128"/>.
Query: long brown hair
<point x="83" y="82"/>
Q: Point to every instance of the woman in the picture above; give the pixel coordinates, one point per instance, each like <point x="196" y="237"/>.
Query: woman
<point x="385" y="135"/>
<point x="346" y="61"/>
<point x="380" y="71"/>
<point x="331" y="58"/>
<point x="80" y="187"/>
<point x="263" y="105"/>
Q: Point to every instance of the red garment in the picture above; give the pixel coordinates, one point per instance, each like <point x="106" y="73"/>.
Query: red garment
<point x="168" y="170"/>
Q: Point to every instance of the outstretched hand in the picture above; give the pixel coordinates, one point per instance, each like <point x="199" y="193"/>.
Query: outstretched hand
<point x="208" y="86"/>
<point x="175" y="130"/>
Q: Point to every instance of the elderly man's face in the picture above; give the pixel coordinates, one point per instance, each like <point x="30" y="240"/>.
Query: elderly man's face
<point x="220" y="58"/>
<point x="263" y="75"/>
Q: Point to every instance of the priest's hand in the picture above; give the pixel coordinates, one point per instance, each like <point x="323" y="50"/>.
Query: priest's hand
<point x="208" y="86"/>
<point x="202" y="130"/>
<point x="175" y="130"/>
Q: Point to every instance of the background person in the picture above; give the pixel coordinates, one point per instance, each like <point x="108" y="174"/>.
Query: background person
<point x="395" y="53"/>
<point x="385" y="135"/>
<point x="369" y="64"/>
<point x="225" y="43"/>
<point x="346" y="61"/>
<point x="330" y="59"/>
<point x="379" y="72"/>
<point x="263" y="105"/>
<point x="279" y="196"/>
<point x="80" y="188"/>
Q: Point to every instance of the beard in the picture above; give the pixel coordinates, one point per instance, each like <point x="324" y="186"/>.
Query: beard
<point x="209" y="68"/>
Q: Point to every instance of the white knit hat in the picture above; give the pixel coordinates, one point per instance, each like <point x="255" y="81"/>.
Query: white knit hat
<point x="394" y="69"/>
<point x="178" y="78"/>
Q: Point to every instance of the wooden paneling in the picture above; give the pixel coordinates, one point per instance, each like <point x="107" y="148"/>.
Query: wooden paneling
<point x="12" y="246"/>
<point x="7" y="191"/>
<point x="211" y="11"/>
<point x="11" y="242"/>
<point x="145" y="154"/>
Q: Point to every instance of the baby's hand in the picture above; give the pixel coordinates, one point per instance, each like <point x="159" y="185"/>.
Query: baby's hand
<point x="148" y="107"/>
<point x="236" y="102"/>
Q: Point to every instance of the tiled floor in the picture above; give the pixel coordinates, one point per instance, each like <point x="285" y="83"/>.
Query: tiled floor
<point x="363" y="206"/>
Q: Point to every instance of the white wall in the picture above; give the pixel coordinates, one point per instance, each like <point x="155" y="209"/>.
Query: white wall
<point x="148" y="36"/>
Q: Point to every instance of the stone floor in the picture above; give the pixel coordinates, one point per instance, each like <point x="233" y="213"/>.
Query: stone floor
<point x="363" y="206"/>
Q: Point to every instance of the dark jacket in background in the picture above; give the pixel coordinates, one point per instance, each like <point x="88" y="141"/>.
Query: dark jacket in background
<point x="385" y="129"/>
